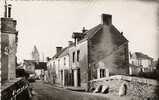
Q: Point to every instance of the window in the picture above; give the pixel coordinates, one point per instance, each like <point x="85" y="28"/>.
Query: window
<point x="61" y="74"/>
<point x="78" y="54"/>
<point x="140" y="62"/>
<point x="59" y="63"/>
<point x="133" y="62"/>
<point x="102" y="73"/>
<point x="64" y="61"/>
<point x="54" y="64"/>
<point x="73" y="57"/>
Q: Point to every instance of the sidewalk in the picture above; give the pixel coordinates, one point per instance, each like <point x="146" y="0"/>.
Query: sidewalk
<point x="72" y="88"/>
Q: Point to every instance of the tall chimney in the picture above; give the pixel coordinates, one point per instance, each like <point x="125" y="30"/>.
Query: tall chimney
<point x="84" y="30"/>
<point x="121" y="33"/>
<point x="9" y="10"/>
<point x="5" y="9"/>
<point x="106" y="19"/>
<point x="70" y="43"/>
<point x="58" y="49"/>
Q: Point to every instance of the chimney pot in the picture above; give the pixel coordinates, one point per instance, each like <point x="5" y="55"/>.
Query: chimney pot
<point x="70" y="43"/>
<point x="84" y="30"/>
<point x="106" y="19"/>
<point x="9" y="10"/>
<point x="121" y="33"/>
<point x="5" y="11"/>
<point x="58" y="49"/>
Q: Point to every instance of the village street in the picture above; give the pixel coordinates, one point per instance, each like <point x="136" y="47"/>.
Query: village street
<point x="44" y="91"/>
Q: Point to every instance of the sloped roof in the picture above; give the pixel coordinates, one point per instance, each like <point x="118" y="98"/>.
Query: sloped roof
<point x="88" y="34"/>
<point x="29" y="61"/>
<point x="117" y="35"/>
<point x="140" y="55"/>
<point x="40" y="65"/>
<point x="119" y="38"/>
<point x="61" y="53"/>
<point x="91" y="32"/>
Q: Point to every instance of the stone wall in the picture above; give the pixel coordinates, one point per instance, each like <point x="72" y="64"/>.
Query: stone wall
<point x="141" y="87"/>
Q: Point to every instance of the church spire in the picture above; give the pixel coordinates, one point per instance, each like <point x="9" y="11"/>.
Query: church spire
<point x="35" y="54"/>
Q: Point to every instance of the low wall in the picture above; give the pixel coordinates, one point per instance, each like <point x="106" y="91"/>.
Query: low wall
<point x="142" y="87"/>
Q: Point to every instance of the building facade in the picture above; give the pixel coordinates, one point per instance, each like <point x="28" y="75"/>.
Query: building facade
<point x="142" y="63"/>
<point x="58" y="67"/>
<point x="8" y="45"/>
<point x="140" y="59"/>
<point x="40" y="68"/>
<point x="96" y="53"/>
<point x="32" y="67"/>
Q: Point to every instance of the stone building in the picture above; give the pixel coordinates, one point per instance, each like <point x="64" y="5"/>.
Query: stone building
<point x="140" y="59"/>
<point x="96" y="53"/>
<point x="8" y="45"/>
<point x="140" y="62"/>
<point x="40" y="68"/>
<point x="58" y="67"/>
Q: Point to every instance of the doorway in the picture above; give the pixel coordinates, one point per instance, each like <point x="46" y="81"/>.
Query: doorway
<point x="79" y="77"/>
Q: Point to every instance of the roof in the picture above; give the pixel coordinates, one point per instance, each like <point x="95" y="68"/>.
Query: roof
<point x="29" y="61"/>
<point x="90" y="33"/>
<point x="63" y="52"/>
<point x="116" y="34"/>
<point x="40" y="65"/>
<point x="140" y="55"/>
<point x="119" y="38"/>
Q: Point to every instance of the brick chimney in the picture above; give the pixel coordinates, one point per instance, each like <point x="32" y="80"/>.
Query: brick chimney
<point x="106" y="19"/>
<point x="70" y="43"/>
<point x="84" y="30"/>
<point x="58" y="49"/>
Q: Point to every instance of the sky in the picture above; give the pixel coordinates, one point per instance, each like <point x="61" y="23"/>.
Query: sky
<point x="49" y="23"/>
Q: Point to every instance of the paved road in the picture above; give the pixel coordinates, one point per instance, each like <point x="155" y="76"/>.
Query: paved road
<point x="44" y="91"/>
